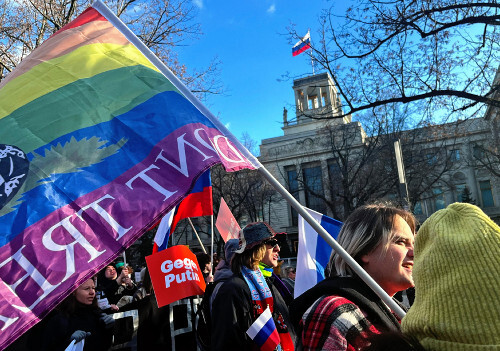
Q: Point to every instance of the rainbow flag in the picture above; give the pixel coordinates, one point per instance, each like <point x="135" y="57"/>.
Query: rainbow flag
<point x="96" y="145"/>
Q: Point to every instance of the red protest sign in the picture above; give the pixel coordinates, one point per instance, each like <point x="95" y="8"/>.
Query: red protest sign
<point x="226" y="223"/>
<point x="175" y="274"/>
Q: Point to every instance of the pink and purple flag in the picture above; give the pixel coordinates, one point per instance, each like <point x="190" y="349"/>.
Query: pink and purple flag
<point x="96" y="145"/>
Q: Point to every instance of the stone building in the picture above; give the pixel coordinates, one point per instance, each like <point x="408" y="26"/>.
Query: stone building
<point x="444" y="163"/>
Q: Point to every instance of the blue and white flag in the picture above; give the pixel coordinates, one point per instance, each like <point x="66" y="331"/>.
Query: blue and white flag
<point x="313" y="253"/>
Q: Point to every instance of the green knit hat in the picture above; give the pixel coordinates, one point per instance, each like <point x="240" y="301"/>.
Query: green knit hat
<point x="457" y="282"/>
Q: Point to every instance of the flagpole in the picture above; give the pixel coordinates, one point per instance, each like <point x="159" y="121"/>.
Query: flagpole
<point x="310" y="48"/>
<point x="212" y="244"/>
<point x="197" y="236"/>
<point x="111" y="17"/>
<point x="122" y="27"/>
<point x="328" y="238"/>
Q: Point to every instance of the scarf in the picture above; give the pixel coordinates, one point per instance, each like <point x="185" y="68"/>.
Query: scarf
<point x="261" y="294"/>
<point x="262" y="298"/>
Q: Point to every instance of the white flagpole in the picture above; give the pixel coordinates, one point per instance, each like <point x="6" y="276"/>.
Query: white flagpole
<point x="111" y="17"/>
<point x="311" y="48"/>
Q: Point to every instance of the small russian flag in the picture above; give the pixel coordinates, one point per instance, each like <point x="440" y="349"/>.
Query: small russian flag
<point x="302" y="45"/>
<point x="263" y="331"/>
<point x="196" y="204"/>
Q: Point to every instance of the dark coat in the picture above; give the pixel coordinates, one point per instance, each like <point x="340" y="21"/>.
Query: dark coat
<point x="232" y="314"/>
<point x="114" y="291"/>
<point x="59" y="326"/>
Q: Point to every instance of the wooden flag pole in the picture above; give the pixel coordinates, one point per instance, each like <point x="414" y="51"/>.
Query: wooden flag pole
<point x="197" y="236"/>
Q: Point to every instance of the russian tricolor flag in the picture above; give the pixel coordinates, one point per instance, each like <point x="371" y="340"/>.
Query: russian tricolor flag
<point x="313" y="253"/>
<point x="196" y="204"/>
<point x="302" y="45"/>
<point x="263" y="331"/>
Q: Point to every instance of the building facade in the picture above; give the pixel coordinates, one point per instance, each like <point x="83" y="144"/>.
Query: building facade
<point x="330" y="164"/>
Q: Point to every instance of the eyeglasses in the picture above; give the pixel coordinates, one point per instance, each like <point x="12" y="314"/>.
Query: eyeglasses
<point x="272" y="242"/>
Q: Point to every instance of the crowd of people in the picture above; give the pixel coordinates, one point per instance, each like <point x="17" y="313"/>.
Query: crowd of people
<point x="449" y="271"/>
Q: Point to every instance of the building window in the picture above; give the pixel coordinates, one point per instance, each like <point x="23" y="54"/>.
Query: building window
<point x="438" y="198"/>
<point x="417" y="209"/>
<point x="478" y="152"/>
<point x="324" y="101"/>
<point x="334" y="171"/>
<point x="314" y="185"/>
<point x="312" y="102"/>
<point x="486" y="193"/>
<point x="454" y="155"/>
<point x="431" y="159"/>
<point x="293" y="187"/>
<point x="300" y="98"/>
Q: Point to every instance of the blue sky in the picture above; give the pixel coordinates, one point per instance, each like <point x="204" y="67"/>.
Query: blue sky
<point x="249" y="37"/>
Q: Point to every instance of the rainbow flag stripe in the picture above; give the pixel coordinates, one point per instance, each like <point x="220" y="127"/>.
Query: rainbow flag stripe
<point x="96" y="144"/>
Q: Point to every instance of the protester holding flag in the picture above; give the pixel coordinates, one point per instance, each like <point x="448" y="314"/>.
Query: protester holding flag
<point x="341" y="312"/>
<point x="78" y="318"/>
<point x="104" y="140"/>
<point x="250" y="295"/>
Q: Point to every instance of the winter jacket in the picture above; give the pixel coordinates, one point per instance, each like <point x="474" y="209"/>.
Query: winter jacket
<point x="232" y="314"/>
<point x="339" y="314"/>
<point x="59" y="327"/>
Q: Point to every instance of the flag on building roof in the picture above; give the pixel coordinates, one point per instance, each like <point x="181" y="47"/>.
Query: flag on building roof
<point x="263" y="331"/>
<point x="302" y="45"/>
<point x="196" y="204"/>
<point x="97" y="144"/>
<point x="313" y="253"/>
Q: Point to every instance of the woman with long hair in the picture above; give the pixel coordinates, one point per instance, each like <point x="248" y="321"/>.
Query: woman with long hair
<point x="250" y="292"/>
<point x="341" y="312"/>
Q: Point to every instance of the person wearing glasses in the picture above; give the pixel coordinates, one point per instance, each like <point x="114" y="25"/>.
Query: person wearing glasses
<point x="251" y="290"/>
<point x="341" y="312"/>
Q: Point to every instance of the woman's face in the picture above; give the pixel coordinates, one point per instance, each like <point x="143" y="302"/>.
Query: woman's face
<point x="85" y="293"/>
<point x="110" y="273"/>
<point x="392" y="269"/>
<point x="272" y="254"/>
